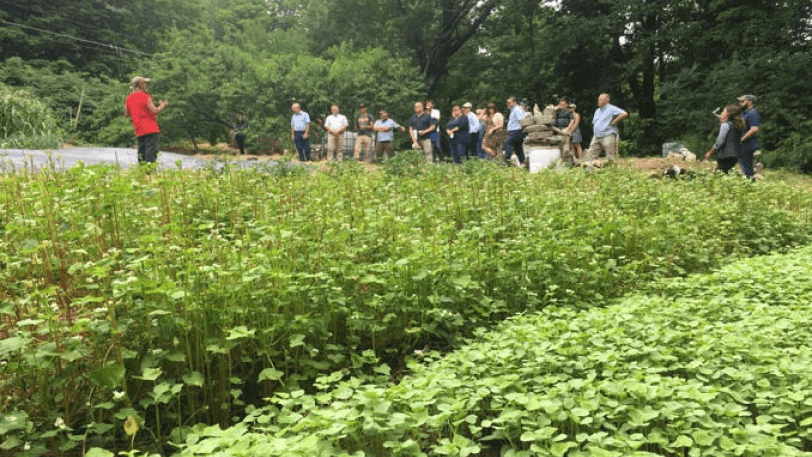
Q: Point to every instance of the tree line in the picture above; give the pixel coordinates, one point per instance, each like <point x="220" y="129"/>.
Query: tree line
<point x="668" y="62"/>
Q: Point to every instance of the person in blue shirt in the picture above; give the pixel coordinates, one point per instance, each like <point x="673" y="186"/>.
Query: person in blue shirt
<point x="482" y="116"/>
<point x="752" y="125"/>
<point x="386" y="134"/>
<point x="300" y="131"/>
<point x="604" y="125"/>
<point x="514" y="144"/>
<point x="459" y="134"/>
<point x="473" y="129"/>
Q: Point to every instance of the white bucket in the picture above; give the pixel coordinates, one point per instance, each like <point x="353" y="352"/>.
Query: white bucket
<point x="542" y="157"/>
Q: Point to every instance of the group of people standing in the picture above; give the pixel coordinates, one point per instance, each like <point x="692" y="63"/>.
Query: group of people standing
<point x="482" y="133"/>
<point x="336" y="124"/>
<point x="737" y="140"/>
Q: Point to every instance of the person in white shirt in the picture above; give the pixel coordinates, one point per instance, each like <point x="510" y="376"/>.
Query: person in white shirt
<point x="335" y="125"/>
<point x="436" y="148"/>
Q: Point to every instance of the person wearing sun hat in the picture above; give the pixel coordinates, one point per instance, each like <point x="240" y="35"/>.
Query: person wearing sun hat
<point x="752" y="122"/>
<point x="140" y="108"/>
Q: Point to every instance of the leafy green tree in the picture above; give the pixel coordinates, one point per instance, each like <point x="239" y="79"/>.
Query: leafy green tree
<point x="97" y="37"/>
<point x="430" y="32"/>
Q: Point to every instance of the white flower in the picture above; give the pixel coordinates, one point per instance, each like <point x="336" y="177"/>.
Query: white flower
<point x="60" y="423"/>
<point x="118" y="395"/>
<point x="27" y="446"/>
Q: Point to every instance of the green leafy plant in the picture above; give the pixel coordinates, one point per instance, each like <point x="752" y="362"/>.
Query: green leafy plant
<point x="711" y="365"/>
<point x="406" y="163"/>
<point x="184" y="297"/>
<point x="26" y="122"/>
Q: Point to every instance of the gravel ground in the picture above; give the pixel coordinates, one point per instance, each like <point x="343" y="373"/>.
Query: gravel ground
<point x="66" y="158"/>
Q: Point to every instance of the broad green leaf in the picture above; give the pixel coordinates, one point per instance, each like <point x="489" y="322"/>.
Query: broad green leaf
<point x="194" y="378"/>
<point x="150" y="374"/>
<point x="110" y="375"/>
<point x="15" y="343"/>
<point x="270" y="374"/>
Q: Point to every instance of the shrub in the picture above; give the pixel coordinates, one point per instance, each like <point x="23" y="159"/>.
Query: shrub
<point x="793" y="153"/>
<point x="25" y="121"/>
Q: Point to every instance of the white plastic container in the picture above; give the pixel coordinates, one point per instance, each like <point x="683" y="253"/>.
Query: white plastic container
<point x="542" y="157"/>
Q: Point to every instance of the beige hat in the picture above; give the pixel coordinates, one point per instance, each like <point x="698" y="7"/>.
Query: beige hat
<point x="137" y="80"/>
<point x="467" y="105"/>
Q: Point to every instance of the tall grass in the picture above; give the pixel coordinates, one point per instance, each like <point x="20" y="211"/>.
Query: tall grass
<point x="26" y="122"/>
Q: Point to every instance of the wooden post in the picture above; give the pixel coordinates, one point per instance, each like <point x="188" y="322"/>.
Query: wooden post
<point x="79" y="109"/>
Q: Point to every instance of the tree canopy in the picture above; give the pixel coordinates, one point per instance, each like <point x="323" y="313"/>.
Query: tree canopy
<point x="669" y="62"/>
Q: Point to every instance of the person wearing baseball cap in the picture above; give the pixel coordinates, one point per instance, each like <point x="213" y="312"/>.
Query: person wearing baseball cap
<point x="473" y="130"/>
<point x="140" y="108"/>
<point x="752" y="122"/>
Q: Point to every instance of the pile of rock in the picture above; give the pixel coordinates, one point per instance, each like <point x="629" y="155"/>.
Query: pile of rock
<point x="683" y="154"/>
<point x="540" y="132"/>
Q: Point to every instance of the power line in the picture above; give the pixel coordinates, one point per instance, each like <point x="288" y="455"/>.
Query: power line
<point x="94" y="48"/>
<point x="116" y="49"/>
<point x="61" y="18"/>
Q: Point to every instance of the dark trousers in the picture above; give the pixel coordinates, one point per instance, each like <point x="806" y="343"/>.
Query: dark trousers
<point x="240" y="139"/>
<point x="458" y="149"/>
<point x="724" y="165"/>
<point x="479" y="152"/>
<point x="472" y="145"/>
<point x="302" y="145"/>
<point x="148" y="148"/>
<point x="436" y="152"/>
<point x="514" y="145"/>
<point x="746" y="163"/>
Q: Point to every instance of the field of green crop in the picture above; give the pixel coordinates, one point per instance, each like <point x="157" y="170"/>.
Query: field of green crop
<point x="134" y="305"/>
<point x="716" y="365"/>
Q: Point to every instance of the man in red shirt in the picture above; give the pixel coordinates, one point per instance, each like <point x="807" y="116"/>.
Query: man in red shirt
<point x="142" y="110"/>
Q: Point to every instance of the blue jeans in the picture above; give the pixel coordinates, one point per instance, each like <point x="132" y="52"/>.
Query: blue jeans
<point x="302" y="145"/>
<point x="746" y="163"/>
<point x="148" y="148"/>
<point x="472" y="145"/>
<point x="479" y="152"/>
<point x="514" y="145"/>
<point x="458" y="149"/>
